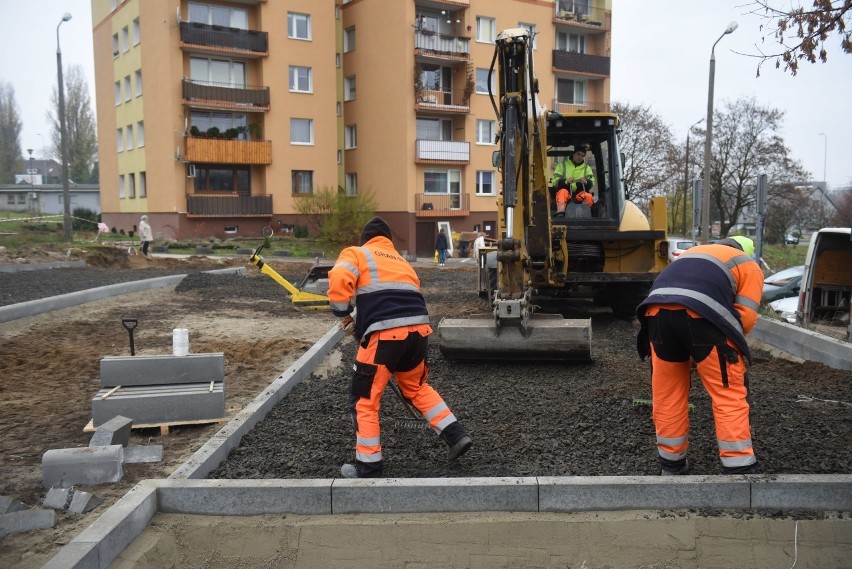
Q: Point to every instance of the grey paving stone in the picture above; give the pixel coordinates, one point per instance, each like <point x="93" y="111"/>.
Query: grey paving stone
<point x="7" y="504"/>
<point x="57" y="498"/>
<point x="162" y="369"/>
<point x="143" y="454"/>
<point x="87" y="465"/>
<point x="83" y="502"/>
<point x="116" y="431"/>
<point x="26" y="520"/>
<point x="157" y="404"/>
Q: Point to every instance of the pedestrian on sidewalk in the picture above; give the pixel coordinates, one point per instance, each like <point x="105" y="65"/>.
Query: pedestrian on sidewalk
<point x="442" y="245"/>
<point x="145" y="234"/>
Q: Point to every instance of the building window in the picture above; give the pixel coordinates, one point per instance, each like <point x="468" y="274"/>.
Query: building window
<point x="140" y="134"/>
<point x="570" y="92"/>
<point x="303" y="182"/>
<point x="339" y="109"/>
<point x="119" y="136"/>
<point x="117" y="93"/>
<point x="482" y="81"/>
<point x="218" y="71"/>
<point x="442" y="182"/>
<point x="121" y="189"/>
<point x="350" y="137"/>
<point x="125" y="40"/>
<point x="348" y="88"/>
<point x="301" y="131"/>
<point x="485" y="132"/>
<point x="337" y="60"/>
<point x="301" y="79"/>
<point x="220" y="178"/>
<point x="203" y="121"/>
<point x="485" y="29"/>
<point x="434" y="129"/>
<point x="571" y="42"/>
<point x="128" y="92"/>
<point x="128" y="131"/>
<point x="143" y="185"/>
<point x="131" y="186"/>
<point x="138" y="82"/>
<point x="114" y="45"/>
<point x="349" y="39"/>
<point x="533" y="35"/>
<point x="340" y="157"/>
<point x="136" y="31"/>
<point x="351" y="184"/>
<point x="298" y="26"/>
<point x="216" y="15"/>
<point x="485" y="183"/>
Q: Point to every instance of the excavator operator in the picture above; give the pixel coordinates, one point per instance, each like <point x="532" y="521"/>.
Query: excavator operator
<point x="391" y="325"/>
<point x="576" y="173"/>
<point x="700" y="310"/>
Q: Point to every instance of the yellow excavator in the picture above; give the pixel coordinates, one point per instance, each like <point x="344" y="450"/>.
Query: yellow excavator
<point x="608" y="251"/>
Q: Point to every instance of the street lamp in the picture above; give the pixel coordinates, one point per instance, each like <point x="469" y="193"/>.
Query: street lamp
<point x="66" y="196"/>
<point x="32" y="170"/>
<point x="824" y="159"/>
<point x="686" y="174"/>
<point x="708" y="141"/>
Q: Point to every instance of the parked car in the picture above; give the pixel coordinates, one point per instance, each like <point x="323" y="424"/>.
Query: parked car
<point x="791" y="239"/>
<point x="785" y="308"/>
<point x="782" y="284"/>
<point x="678" y="245"/>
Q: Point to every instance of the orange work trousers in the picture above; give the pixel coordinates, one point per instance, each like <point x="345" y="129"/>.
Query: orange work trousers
<point x="679" y="338"/>
<point x="562" y="198"/>
<point x="399" y="352"/>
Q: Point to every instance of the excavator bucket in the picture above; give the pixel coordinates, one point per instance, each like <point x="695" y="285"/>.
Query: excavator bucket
<point x="548" y="337"/>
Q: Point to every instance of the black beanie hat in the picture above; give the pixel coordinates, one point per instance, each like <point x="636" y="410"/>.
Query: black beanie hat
<point x="376" y="227"/>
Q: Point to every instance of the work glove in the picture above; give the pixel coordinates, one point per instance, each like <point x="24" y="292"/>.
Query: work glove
<point x="347" y="324"/>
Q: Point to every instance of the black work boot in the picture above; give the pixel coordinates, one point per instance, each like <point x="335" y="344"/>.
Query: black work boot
<point x="457" y="440"/>
<point x="362" y="469"/>
<point x="674" y="467"/>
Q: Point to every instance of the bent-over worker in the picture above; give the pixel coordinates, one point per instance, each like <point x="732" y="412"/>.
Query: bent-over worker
<point x="700" y="310"/>
<point x="392" y="328"/>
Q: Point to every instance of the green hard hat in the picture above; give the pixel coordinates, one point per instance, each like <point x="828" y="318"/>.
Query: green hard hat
<point x="746" y="243"/>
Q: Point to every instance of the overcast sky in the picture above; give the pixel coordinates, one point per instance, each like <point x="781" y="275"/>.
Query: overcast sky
<point x="660" y="57"/>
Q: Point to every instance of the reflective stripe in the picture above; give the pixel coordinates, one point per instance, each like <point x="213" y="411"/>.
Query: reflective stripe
<point x="704" y="299"/>
<point x="397" y="323"/>
<point x="375" y="457"/>
<point x="734" y="445"/>
<point x="671" y="441"/>
<point x="349" y="267"/>
<point x="372" y="267"/>
<point x="339" y="306"/>
<point x="716" y="261"/>
<point x="369" y="441"/>
<point x="433" y="412"/>
<point x="375" y="287"/>
<point x="671" y="455"/>
<point x="734" y="461"/>
<point x="445" y="422"/>
<point x="747" y="302"/>
<point x="739" y="259"/>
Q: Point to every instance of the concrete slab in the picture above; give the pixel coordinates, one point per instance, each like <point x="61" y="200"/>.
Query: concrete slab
<point x="143" y="454"/>
<point x="162" y="369"/>
<point x="83" y="502"/>
<point x="395" y="495"/>
<point x="583" y="493"/>
<point x="147" y="404"/>
<point x="7" y="504"/>
<point x="116" y="431"/>
<point x="26" y="520"/>
<point x="58" y="498"/>
<point x="89" y="465"/>
<point x="820" y="492"/>
<point x="803" y="343"/>
<point x="245" y="497"/>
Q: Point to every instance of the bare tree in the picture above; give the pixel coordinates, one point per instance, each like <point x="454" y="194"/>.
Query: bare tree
<point x="80" y="130"/>
<point x="746" y="144"/>
<point x="648" y="147"/>
<point x="10" y="133"/>
<point x="843" y="216"/>
<point x="802" y="33"/>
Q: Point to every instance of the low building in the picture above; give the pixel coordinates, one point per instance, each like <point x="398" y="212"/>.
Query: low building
<point x="47" y="199"/>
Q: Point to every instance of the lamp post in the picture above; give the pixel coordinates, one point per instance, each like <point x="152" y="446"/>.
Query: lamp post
<point x="32" y="170"/>
<point x="66" y="196"/>
<point x="824" y="159"/>
<point x="708" y="141"/>
<point x="686" y="174"/>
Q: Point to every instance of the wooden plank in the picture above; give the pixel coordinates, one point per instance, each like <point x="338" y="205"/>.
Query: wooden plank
<point x="164" y="427"/>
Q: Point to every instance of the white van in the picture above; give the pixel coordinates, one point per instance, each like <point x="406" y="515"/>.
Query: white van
<point x="827" y="280"/>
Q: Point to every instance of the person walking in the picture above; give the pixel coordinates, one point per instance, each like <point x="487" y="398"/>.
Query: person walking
<point x="478" y="244"/>
<point x="442" y="245"/>
<point x="145" y="234"/>
<point x="391" y="324"/>
<point x="700" y="310"/>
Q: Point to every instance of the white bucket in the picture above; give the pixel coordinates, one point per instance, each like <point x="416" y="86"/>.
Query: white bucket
<point x="180" y="341"/>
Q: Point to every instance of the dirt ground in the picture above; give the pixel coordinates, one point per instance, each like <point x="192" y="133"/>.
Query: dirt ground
<point x="544" y="421"/>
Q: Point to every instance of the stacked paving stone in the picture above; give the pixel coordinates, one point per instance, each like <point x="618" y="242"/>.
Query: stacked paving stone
<point x="161" y="389"/>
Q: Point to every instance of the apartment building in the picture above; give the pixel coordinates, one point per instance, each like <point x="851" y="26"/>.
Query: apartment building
<point x="215" y="117"/>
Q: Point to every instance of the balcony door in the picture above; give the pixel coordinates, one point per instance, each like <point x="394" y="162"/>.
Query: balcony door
<point x="218" y="72"/>
<point x="444" y="182"/>
<point x="438" y="79"/>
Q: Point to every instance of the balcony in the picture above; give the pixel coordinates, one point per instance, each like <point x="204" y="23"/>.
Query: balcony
<point x="438" y="46"/>
<point x="582" y="107"/>
<point x="220" y="39"/>
<point x="580" y="63"/>
<point x="228" y="206"/>
<point x="208" y="95"/>
<point x="441" y="205"/>
<point x="441" y="152"/>
<point x="576" y="15"/>
<point x="228" y="151"/>
<point x="451" y="102"/>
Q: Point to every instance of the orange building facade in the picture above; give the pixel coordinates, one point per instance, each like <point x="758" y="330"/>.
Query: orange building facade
<point x="215" y="117"/>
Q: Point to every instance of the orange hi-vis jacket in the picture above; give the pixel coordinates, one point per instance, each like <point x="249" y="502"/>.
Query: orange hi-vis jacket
<point x="381" y="284"/>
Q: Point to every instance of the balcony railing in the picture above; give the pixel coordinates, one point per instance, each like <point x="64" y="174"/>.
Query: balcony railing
<point x="441" y="205"/>
<point x="222" y="95"/>
<point x="441" y="46"/>
<point x="581" y="107"/>
<point x="228" y="151"/>
<point x="228" y="206"/>
<point x="580" y="62"/>
<point x="579" y="13"/>
<point x="441" y="151"/>
<point x="198" y="34"/>
<point x="457" y="101"/>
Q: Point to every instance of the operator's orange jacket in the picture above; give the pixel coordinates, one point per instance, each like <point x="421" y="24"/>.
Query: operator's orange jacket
<point x="381" y="284"/>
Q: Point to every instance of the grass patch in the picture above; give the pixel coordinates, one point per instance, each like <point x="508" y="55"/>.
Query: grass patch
<point x="782" y="256"/>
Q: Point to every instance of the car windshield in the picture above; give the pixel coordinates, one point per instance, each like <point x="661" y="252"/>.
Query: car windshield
<point x="684" y="244"/>
<point x="783" y="277"/>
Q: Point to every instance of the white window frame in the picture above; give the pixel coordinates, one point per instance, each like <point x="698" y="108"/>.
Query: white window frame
<point x="564" y="40"/>
<point x="237" y="82"/>
<point x="136" y="32"/>
<point x="119" y="137"/>
<point x="140" y="134"/>
<point x="486" y="29"/>
<point x="339" y="109"/>
<point x="241" y="23"/>
<point x="533" y="33"/>
<point x="349" y="42"/>
<point x="480" y="179"/>
<point x="294" y="122"/>
<point x="131" y="186"/>
<point x="350" y="137"/>
<point x="138" y="78"/>
<point x="121" y="187"/>
<point x="444" y="128"/>
<point x="485" y="80"/>
<point x="485" y="131"/>
<point x="351" y="182"/>
<point x="128" y="133"/>
<point x="579" y="92"/>
<point x="349" y="88"/>
<point x="115" y="46"/>
<point x="128" y="92"/>
<point x="298" y="177"/>
<point x="293" y="18"/>
<point x="296" y="79"/>
<point x="125" y="40"/>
